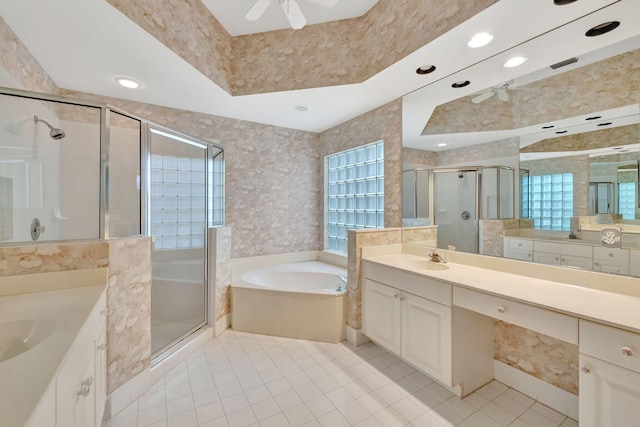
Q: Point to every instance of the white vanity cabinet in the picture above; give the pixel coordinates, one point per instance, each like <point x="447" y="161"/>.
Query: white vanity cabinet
<point x="634" y="262"/>
<point x="609" y="376"/>
<point x="80" y="383"/>
<point x="607" y="260"/>
<point x="521" y="249"/>
<point x="414" y="325"/>
<point x="564" y="254"/>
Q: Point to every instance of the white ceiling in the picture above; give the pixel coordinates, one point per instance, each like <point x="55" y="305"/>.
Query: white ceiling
<point x="231" y="14"/>
<point x="85" y="44"/>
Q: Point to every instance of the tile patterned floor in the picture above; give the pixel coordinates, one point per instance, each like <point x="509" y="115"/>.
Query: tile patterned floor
<point x="241" y="379"/>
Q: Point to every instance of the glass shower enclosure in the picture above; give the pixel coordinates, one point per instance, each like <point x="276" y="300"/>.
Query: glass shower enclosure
<point x="464" y="196"/>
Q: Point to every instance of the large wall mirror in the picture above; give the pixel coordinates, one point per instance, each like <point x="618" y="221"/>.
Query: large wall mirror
<point x="570" y="130"/>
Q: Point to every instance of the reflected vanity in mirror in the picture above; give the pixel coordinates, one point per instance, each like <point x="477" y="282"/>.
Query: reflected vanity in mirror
<point x="572" y="136"/>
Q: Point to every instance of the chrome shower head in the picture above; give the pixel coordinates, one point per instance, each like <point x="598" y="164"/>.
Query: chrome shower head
<point x="54" y="133"/>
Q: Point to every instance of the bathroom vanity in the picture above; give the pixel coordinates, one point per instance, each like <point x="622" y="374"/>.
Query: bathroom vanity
<point x="440" y="319"/>
<point x="53" y="349"/>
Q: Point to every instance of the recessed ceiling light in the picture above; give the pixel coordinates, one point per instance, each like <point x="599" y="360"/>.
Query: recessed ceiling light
<point x="605" y="124"/>
<point x="426" y="69"/>
<point x="127" y="82"/>
<point x="442" y="144"/>
<point x="461" y="83"/>
<point x="516" y="61"/>
<point x="601" y="29"/>
<point x="593" y="118"/>
<point x="302" y="108"/>
<point x="618" y="148"/>
<point x="548" y="127"/>
<point x="480" y="40"/>
<point x="561" y="131"/>
<point x="563" y="2"/>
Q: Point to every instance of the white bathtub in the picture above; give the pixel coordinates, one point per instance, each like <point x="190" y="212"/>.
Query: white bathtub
<point x="296" y="300"/>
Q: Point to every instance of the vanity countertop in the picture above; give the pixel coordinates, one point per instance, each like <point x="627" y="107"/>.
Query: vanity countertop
<point x="615" y="309"/>
<point x="25" y="377"/>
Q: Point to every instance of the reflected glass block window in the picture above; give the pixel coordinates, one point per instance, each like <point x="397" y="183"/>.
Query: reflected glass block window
<point x="216" y="190"/>
<point x="355" y="193"/>
<point x="551" y="201"/>
<point x="627" y="200"/>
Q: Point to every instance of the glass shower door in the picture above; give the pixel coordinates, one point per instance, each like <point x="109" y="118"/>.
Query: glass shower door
<point x="456" y="209"/>
<point x="178" y="223"/>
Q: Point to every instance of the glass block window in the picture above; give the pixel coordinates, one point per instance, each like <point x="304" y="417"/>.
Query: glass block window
<point x="178" y="201"/>
<point x="525" y="203"/>
<point x="627" y="200"/>
<point x="355" y="193"/>
<point x="551" y="201"/>
<point x="216" y="189"/>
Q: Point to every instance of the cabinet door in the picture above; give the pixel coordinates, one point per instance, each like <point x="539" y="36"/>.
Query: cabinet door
<point x="382" y="315"/>
<point x="634" y="263"/>
<point x="426" y="336"/>
<point x="76" y="406"/>
<point x="546" y="258"/>
<point x="613" y="267"/>
<point x="609" y="394"/>
<point x="577" y="261"/>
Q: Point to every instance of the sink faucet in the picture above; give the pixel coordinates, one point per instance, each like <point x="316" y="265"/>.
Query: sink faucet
<point x="573" y="235"/>
<point x="435" y="256"/>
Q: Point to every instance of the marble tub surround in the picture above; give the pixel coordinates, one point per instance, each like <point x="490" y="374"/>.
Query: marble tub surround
<point x="129" y="305"/>
<point x="491" y="235"/>
<point x="26" y="376"/>
<point x="51" y="257"/>
<point x="549" y="359"/>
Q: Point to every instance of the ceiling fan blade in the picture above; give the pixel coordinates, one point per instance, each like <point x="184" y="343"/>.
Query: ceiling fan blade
<point x="325" y="3"/>
<point x="503" y="95"/>
<point x="256" y="11"/>
<point x="294" y="14"/>
<point x="483" y="96"/>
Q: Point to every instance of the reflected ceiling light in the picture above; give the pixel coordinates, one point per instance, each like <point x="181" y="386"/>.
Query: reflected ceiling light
<point x="563" y="2"/>
<point x="127" y="82"/>
<point x="516" y="61"/>
<point x="442" y="144"/>
<point x="302" y="108"/>
<point x="480" y="40"/>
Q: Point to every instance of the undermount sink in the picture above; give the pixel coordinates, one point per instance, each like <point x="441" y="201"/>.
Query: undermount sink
<point x="22" y="335"/>
<point x="424" y="265"/>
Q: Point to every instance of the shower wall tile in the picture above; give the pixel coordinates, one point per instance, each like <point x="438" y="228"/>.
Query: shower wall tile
<point x="357" y="240"/>
<point x="492" y="235"/>
<point x="48" y="258"/>
<point x="544" y="357"/>
<point x="427" y="236"/>
<point x="16" y="59"/>
<point x="381" y="124"/>
<point x="221" y="271"/>
<point x="129" y="304"/>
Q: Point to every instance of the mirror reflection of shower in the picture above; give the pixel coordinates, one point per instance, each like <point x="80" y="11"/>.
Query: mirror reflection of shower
<point x="55" y="133"/>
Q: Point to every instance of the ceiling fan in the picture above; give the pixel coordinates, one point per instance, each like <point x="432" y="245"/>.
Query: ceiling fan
<point x="291" y="10"/>
<point x="500" y="91"/>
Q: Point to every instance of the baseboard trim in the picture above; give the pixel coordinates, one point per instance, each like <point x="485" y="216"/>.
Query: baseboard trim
<point x="355" y="336"/>
<point x="221" y="325"/>
<point x="554" y="397"/>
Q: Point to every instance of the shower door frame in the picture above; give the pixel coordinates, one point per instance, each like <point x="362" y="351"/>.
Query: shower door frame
<point x="476" y="219"/>
<point x="174" y="345"/>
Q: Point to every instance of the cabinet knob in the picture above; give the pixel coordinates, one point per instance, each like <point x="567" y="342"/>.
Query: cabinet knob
<point x="610" y="255"/>
<point x="557" y="259"/>
<point x="104" y="312"/>
<point x="87" y="382"/>
<point x="101" y="347"/>
<point x="396" y="295"/>
<point x="626" y="351"/>
<point x="586" y="370"/>
<point x="501" y="309"/>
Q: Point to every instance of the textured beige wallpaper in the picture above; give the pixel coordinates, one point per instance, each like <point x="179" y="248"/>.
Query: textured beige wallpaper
<point x="329" y="54"/>
<point x="573" y="93"/>
<point x="416" y="159"/>
<point x="506" y="148"/>
<point x="622" y="135"/>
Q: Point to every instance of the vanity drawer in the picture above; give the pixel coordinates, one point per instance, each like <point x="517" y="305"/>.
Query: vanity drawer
<point x="537" y="319"/>
<point x="522" y="244"/>
<point x="414" y="284"/>
<point x="621" y="255"/>
<point x="614" y="345"/>
<point x="572" y="249"/>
